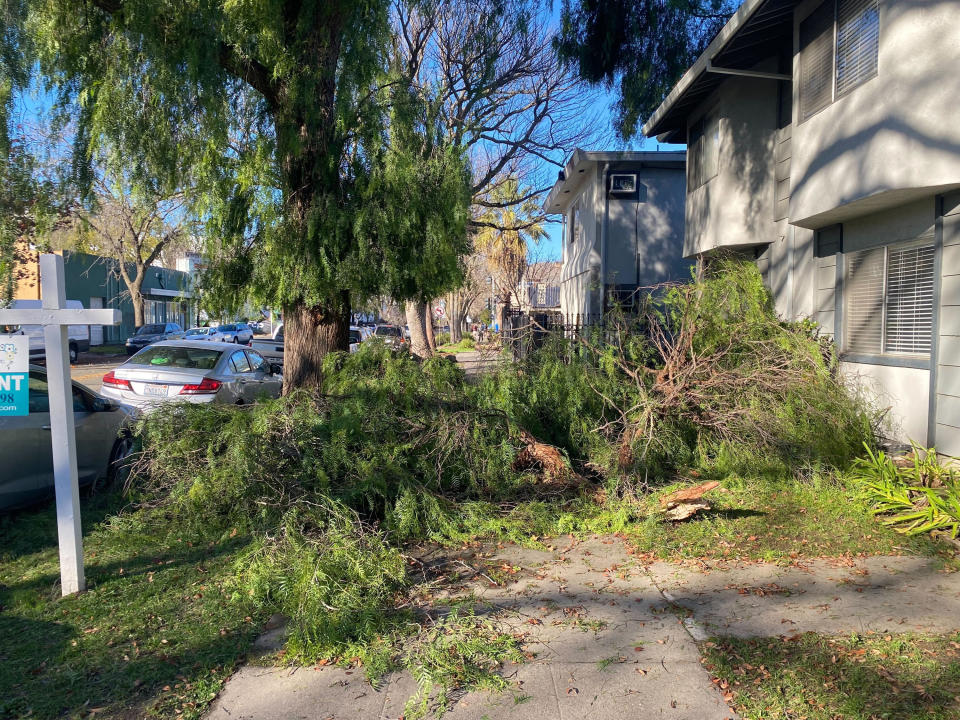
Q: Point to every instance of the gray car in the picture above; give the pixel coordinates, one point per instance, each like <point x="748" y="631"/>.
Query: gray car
<point x="26" y="457"/>
<point x="239" y="333"/>
<point x="192" y="371"/>
<point x="391" y="335"/>
<point x="151" y="333"/>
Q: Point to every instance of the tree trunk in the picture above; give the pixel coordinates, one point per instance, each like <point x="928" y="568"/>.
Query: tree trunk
<point x="136" y="298"/>
<point x="418" y="331"/>
<point x="455" y="314"/>
<point x="309" y="333"/>
<point x="428" y="326"/>
<point x="503" y="306"/>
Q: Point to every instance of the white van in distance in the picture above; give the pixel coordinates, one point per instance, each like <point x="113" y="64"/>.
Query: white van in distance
<point x="78" y="335"/>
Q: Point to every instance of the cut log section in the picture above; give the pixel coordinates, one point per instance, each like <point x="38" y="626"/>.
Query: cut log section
<point x="688" y="494"/>
<point x="685" y="503"/>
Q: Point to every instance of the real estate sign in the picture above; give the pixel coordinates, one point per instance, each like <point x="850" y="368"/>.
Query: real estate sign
<point x="14" y="374"/>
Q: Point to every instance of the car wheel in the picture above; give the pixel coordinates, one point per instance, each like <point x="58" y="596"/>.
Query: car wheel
<point x="74" y="354"/>
<point x="121" y="459"/>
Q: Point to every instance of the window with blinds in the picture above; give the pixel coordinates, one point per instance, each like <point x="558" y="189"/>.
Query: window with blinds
<point x="909" y="305"/>
<point x="858" y="42"/>
<point x="839" y="50"/>
<point x="863" y="301"/>
<point x="703" y="150"/>
<point x="888" y="300"/>
<point x="816" y="60"/>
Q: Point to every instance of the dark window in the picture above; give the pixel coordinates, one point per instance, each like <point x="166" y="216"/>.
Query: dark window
<point x="388" y="331"/>
<point x="703" y="150"/>
<point x="888" y="300"/>
<point x="176" y="356"/>
<point x="150" y="330"/>
<point x="858" y="42"/>
<point x="816" y="60"/>
<point x="37" y="399"/>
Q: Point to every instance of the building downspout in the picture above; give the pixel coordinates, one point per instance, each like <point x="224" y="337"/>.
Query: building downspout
<point x="603" y="241"/>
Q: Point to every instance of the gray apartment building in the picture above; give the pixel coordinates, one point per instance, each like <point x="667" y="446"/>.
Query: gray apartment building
<point x="622" y="227"/>
<point x="823" y="142"/>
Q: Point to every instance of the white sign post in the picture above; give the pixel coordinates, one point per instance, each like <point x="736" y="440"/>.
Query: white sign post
<point x="55" y="317"/>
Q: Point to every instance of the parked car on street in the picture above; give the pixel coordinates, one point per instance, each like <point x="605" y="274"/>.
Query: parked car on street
<point x="151" y="333"/>
<point x="391" y="335"/>
<point x="78" y="335"/>
<point x="198" y="333"/>
<point x="239" y="333"/>
<point x="356" y="337"/>
<point x="270" y="348"/>
<point x="192" y="371"/>
<point x="26" y="457"/>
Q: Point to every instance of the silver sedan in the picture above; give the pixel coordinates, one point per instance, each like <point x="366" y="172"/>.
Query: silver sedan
<point x="192" y="371"/>
<point x="26" y="457"/>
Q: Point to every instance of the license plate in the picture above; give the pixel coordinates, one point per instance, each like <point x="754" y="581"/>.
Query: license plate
<point x="155" y="390"/>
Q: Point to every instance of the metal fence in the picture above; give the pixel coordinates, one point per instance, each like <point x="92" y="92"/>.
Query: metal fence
<point x="524" y="332"/>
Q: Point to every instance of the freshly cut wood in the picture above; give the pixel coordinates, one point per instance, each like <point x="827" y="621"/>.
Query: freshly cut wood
<point x="688" y="494"/>
<point x="548" y="457"/>
<point x="683" y="510"/>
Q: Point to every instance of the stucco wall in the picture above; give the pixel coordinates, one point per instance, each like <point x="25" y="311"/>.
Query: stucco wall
<point x="736" y="207"/>
<point x="645" y="230"/>
<point x="903" y="392"/>
<point x="905" y="222"/>
<point x="896" y="131"/>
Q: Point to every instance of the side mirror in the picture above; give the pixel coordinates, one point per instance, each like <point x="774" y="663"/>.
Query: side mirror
<point x="103" y="405"/>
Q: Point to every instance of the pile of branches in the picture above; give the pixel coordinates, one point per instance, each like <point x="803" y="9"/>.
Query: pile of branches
<point x="708" y="364"/>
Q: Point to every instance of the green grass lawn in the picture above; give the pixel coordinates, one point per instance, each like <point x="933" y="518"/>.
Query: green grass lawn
<point x="778" y="521"/>
<point x="161" y="625"/>
<point x="464" y="345"/>
<point x="156" y="633"/>
<point x="869" y="677"/>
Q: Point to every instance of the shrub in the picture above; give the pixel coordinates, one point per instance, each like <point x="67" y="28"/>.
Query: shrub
<point x="920" y="496"/>
<point x="442" y="338"/>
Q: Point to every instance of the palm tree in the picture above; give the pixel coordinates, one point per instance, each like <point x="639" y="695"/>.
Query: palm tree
<point x="509" y="218"/>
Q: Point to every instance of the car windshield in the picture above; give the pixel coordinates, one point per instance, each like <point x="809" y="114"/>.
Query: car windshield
<point x="175" y="356"/>
<point x="150" y="330"/>
<point x="226" y="328"/>
<point x="388" y="331"/>
<point x="197" y="331"/>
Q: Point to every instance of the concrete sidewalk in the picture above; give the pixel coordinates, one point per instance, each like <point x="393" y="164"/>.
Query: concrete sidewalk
<point x="614" y="639"/>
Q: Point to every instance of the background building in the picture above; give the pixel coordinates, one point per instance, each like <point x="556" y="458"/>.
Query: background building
<point x="623" y="227"/>
<point x="93" y="280"/>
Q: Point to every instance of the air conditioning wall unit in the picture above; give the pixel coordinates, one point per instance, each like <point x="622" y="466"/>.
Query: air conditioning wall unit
<point x="623" y="183"/>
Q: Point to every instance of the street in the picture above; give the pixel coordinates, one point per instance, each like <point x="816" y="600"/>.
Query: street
<point x="89" y="375"/>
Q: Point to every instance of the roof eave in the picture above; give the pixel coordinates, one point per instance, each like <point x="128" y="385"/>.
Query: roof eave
<point x="733" y="26"/>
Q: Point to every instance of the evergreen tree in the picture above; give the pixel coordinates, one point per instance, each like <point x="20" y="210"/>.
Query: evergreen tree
<point x="644" y="45"/>
<point x="278" y="111"/>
